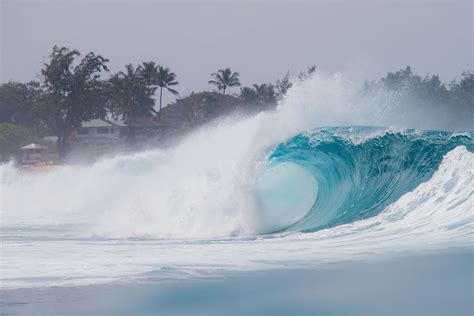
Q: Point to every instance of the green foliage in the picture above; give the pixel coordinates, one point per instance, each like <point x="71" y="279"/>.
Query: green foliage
<point x="266" y="93"/>
<point x="12" y="137"/>
<point x="462" y="92"/>
<point x="283" y="85"/>
<point x="308" y="73"/>
<point x="261" y="95"/>
<point x="149" y="73"/>
<point x="398" y="80"/>
<point x="197" y="109"/>
<point x="131" y="93"/>
<point x="428" y="89"/>
<point x="72" y="93"/>
<point x="248" y="95"/>
<point x="429" y="92"/>
<point x="165" y="79"/>
<point x="16" y="102"/>
<point x="225" y="78"/>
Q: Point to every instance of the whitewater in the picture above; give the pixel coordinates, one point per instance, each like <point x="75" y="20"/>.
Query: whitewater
<point x="329" y="176"/>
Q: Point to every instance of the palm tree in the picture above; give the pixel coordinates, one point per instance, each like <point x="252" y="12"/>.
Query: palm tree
<point x="265" y="93"/>
<point x="149" y="73"/>
<point x="225" y="78"/>
<point x="165" y="79"/>
<point x="131" y="96"/>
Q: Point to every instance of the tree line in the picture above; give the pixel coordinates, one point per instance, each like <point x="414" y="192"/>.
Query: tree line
<point x="74" y="88"/>
<point x="428" y="89"/>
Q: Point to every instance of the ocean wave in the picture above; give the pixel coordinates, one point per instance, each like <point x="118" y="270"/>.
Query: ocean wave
<point x="359" y="179"/>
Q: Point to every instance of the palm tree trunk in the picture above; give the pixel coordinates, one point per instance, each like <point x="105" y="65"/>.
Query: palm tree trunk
<point x="224" y="90"/>
<point x="161" y="98"/>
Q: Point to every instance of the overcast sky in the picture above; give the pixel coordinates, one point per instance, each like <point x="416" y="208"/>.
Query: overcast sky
<point x="260" y="39"/>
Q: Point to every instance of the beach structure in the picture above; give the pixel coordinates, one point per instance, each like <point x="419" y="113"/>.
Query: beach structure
<point x="33" y="153"/>
<point x="101" y="131"/>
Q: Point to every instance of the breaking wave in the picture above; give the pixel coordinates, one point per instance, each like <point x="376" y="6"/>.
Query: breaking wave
<point x="255" y="186"/>
<point x="359" y="180"/>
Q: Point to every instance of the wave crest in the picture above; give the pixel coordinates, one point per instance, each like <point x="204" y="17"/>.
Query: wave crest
<point x="358" y="180"/>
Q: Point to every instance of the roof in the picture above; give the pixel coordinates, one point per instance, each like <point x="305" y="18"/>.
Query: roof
<point x="143" y="122"/>
<point x="34" y="146"/>
<point x="50" y="139"/>
<point x="102" y="123"/>
<point x="117" y="123"/>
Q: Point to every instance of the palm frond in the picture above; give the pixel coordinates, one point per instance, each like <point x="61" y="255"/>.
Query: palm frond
<point x="172" y="91"/>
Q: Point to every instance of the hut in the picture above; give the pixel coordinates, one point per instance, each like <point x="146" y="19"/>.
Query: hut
<point x="33" y="153"/>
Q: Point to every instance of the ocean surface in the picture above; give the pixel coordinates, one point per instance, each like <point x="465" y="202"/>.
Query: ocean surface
<point x="246" y="200"/>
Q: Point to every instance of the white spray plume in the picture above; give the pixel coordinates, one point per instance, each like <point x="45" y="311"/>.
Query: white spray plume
<point x="202" y="187"/>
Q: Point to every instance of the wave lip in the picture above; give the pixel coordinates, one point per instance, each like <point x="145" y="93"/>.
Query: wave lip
<point x="360" y="171"/>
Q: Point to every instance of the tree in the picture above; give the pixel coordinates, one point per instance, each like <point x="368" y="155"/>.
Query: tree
<point x="427" y="90"/>
<point x="248" y="95"/>
<point x="283" y="85"/>
<point x="396" y="81"/>
<point x="71" y="93"/>
<point x="305" y="75"/>
<point x="430" y="89"/>
<point x="462" y="92"/>
<point x="225" y="78"/>
<point x="149" y="73"/>
<point x="263" y="94"/>
<point x="16" y="103"/>
<point x="130" y="94"/>
<point x="165" y="79"/>
<point x="11" y="138"/>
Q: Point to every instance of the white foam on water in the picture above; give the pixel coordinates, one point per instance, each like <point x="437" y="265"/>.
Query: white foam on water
<point x="61" y="227"/>
<point x="436" y="215"/>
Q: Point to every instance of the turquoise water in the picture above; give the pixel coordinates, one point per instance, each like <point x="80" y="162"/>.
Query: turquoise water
<point x="327" y="195"/>
<point x="357" y="174"/>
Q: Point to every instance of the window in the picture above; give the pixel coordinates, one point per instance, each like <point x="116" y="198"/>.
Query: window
<point x="112" y="130"/>
<point x="102" y="130"/>
<point x="84" y="131"/>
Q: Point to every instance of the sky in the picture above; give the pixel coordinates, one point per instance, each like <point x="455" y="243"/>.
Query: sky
<point x="262" y="40"/>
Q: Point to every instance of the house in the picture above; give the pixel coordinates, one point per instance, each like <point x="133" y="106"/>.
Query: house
<point x="101" y="135"/>
<point x="101" y="131"/>
<point x="144" y="127"/>
<point x="33" y="153"/>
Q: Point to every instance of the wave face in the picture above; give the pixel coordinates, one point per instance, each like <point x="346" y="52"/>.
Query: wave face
<point x="359" y="175"/>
